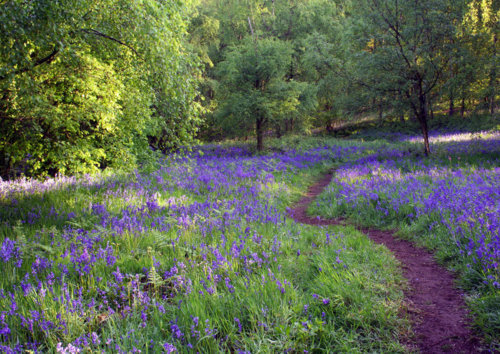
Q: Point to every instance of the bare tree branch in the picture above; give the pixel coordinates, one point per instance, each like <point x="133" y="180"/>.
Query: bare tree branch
<point x="49" y="58"/>
<point x="100" y="34"/>
<point x="396" y="33"/>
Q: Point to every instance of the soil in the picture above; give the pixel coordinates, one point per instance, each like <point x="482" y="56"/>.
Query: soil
<point x="433" y="304"/>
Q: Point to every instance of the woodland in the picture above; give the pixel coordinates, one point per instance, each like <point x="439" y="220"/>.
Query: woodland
<point x="249" y="176"/>
<point x="90" y="85"/>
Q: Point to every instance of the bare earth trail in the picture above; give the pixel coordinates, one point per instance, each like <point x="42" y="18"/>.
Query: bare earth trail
<point x="436" y="308"/>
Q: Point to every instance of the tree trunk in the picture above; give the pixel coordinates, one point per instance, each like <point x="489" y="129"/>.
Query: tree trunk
<point x="422" y="118"/>
<point x="451" y="111"/>
<point x="401" y="113"/>
<point x="431" y="110"/>
<point x="277" y="130"/>
<point x="420" y="111"/>
<point x="493" y="77"/>
<point x="425" y="133"/>
<point x="259" y="131"/>
<point x="462" y="108"/>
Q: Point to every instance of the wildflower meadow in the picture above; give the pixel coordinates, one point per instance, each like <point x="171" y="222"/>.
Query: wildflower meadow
<point x="199" y="254"/>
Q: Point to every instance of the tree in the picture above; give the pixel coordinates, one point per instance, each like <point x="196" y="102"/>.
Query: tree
<point x="482" y="25"/>
<point x="295" y="22"/>
<point x="83" y="84"/>
<point x="404" y="47"/>
<point x="254" y="87"/>
<point x="323" y="61"/>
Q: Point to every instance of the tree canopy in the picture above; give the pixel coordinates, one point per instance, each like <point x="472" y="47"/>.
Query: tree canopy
<point x="255" y="89"/>
<point x="405" y="49"/>
<point x="398" y="58"/>
<point x="86" y="84"/>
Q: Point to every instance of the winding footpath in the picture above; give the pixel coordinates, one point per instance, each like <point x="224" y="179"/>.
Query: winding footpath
<point x="434" y="305"/>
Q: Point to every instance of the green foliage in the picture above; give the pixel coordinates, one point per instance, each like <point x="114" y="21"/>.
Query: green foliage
<point x="481" y="26"/>
<point x="403" y="50"/>
<point x="254" y="90"/>
<point x="65" y="120"/>
<point x="398" y="59"/>
<point x="308" y="79"/>
<point x="84" y="84"/>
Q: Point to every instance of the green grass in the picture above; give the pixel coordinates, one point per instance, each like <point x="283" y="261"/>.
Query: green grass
<point x="323" y="290"/>
<point x="375" y="209"/>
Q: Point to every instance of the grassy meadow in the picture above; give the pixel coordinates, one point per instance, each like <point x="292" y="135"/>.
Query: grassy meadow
<point x="198" y="254"/>
<point x="448" y="203"/>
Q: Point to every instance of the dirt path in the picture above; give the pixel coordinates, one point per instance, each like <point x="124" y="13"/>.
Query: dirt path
<point x="436" y="307"/>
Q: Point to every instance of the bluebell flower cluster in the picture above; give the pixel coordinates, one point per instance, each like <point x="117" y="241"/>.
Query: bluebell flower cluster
<point x="143" y="245"/>
<point x="443" y="194"/>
